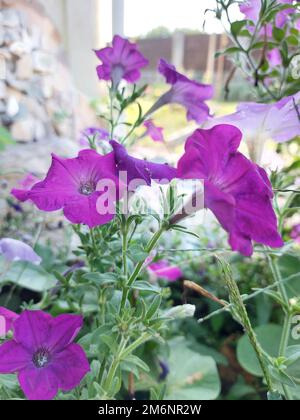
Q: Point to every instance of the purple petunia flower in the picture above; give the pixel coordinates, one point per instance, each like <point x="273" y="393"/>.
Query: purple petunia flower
<point x="71" y="185"/>
<point x="121" y="61"/>
<point x="185" y="92"/>
<point x="25" y="185"/>
<point x="138" y="171"/>
<point x="156" y="133"/>
<point x="94" y="132"/>
<point x="9" y="318"/>
<point x="260" y="122"/>
<point x="43" y="354"/>
<point x="251" y="9"/>
<point x="295" y="233"/>
<point x="166" y="271"/>
<point x="274" y="57"/>
<point x="14" y="250"/>
<point x="237" y="191"/>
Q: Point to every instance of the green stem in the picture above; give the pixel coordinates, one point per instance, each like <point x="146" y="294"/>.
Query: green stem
<point x="149" y="248"/>
<point x="114" y="366"/>
<point x="287" y="318"/>
<point x="138" y="268"/>
<point x="242" y="317"/>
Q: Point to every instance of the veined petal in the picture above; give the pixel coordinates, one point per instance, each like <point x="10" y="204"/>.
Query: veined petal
<point x="38" y="384"/>
<point x="13" y="357"/>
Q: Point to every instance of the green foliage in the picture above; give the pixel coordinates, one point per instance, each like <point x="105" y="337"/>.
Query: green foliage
<point x="192" y="376"/>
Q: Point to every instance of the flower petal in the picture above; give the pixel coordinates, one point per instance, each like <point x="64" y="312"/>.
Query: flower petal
<point x="32" y="329"/>
<point x="64" y="329"/>
<point x="13" y="357"/>
<point x="9" y="318"/>
<point x="70" y="366"/>
<point x="141" y="172"/>
<point x="14" y="250"/>
<point x="84" y="210"/>
<point x="38" y="384"/>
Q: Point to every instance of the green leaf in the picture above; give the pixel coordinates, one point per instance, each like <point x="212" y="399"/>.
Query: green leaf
<point x="292" y="40"/>
<point x="192" y="376"/>
<point x="289" y="265"/>
<point x="145" y="286"/>
<point x="29" y="276"/>
<point x="154" y="307"/>
<point x="293" y="356"/>
<point x="269" y="337"/>
<point x="228" y="51"/>
<point x="136" y="361"/>
<point x="237" y="26"/>
<point x="281" y="377"/>
<point x="9" y="381"/>
<point x="101" y="278"/>
<point x="278" y="34"/>
<point x="137" y="253"/>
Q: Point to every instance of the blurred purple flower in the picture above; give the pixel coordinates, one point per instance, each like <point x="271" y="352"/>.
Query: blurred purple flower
<point x="25" y="185"/>
<point x="283" y="16"/>
<point x="138" y="171"/>
<point x="165" y="370"/>
<point x="166" y="271"/>
<point x="295" y="233"/>
<point x="251" y="10"/>
<point x="43" y="355"/>
<point x="71" y="185"/>
<point x="185" y="92"/>
<point x="121" y="61"/>
<point x="260" y="122"/>
<point x="156" y="133"/>
<point x="14" y="250"/>
<point x="274" y="57"/>
<point x="9" y="318"/>
<point x="237" y="191"/>
<point x="94" y="132"/>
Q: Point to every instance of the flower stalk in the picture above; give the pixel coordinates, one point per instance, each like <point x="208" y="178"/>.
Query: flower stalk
<point x="240" y="313"/>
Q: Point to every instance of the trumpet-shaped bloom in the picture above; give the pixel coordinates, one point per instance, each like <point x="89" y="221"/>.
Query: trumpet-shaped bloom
<point x="99" y="134"/>
<point x="140" y="172"/>
<point x="165" y="270"/>
<point x="121" y="61"/>
<point x="237" y="191"/>
<point x="71" y="185"/>
<point x="14" y="250"/>
<point x="274" y="57"/>
<point x="156" y="133"/>
<point x="188" y="93"/>
<point x="251" y="10"/>
<point x="9" y="318"/>
<point x="295" y="233"/>
<point x="260" y="122"/>
<point x="43" y="354"/>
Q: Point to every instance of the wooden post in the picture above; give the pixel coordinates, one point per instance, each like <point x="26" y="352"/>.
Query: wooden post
<point x="220" y="65"/>
<point x="118" y="17"/>
<point x="178" y="41"/>
<point x="210" y="63"/>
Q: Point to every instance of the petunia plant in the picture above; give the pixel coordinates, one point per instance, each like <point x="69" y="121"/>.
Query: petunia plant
<point x="110" y="299"/>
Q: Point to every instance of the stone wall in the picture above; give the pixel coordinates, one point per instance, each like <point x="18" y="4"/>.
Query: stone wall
<point x="39" y="104"/>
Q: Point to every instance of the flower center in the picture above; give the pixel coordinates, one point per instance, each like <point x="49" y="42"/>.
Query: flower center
<point x="41" y="358"/>
<point x="117" y="74"/>
<point x="87" y="188"/>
